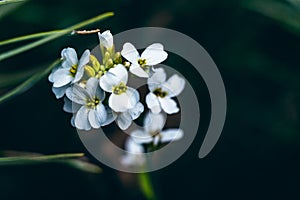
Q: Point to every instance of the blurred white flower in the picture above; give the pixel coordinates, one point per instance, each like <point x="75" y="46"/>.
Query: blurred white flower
<point x="124" y="119"/>
<point x="161" y="92"/>
<point x="135" y="154"/>
<point x="106" y="39"/>
<point x="153" y="125"/>
<point x="140" y="65"/>
<point x="92" y="113"/>
<point x="70" y="71"/>
<point x="123" y="97"/>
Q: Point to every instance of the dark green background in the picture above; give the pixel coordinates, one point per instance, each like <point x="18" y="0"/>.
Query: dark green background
<point x="257" y="156"/>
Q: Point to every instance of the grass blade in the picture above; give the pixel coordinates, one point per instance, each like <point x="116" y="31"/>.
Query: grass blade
<point x="67" y="159"/>
<point x="29" y="37"/>
<point x="54" y="36"/>
<point x="7" y="6"/>
<point x="28" y="83"/>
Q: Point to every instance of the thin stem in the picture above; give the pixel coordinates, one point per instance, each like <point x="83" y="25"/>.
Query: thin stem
<point x="28" y="83"/>
<point x="146" y="186"/>
<point x="54" y="36"/>
<point x="20" y="159"/>
<point x="29" y="37"/>
<point x="66" y="159"/>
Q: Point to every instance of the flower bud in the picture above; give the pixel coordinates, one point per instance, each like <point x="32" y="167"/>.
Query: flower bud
<point x="90" y="72"/>
<point x="95" y="63"/>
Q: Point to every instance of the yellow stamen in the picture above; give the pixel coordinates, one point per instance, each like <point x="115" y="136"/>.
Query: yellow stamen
<point x="158" y="92"/>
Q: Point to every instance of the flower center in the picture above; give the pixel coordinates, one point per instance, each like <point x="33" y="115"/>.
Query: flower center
<point x="142" y="62"/>
<point x="93" y="102"/>
<point x="158" y="92"/>
<point x="73" y="70"/>
<point x="119" y="89"/>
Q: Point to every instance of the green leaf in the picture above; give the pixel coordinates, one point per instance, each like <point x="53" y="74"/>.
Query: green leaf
<point x="287" y="14"/>
<point x="7" y="6"/>
<point x="51" y="37"/>
<point x="10" y="79"/>
<point x="29" y="159"/>
<point x="29" y="37"/>
<point x="67" y="159"/>
<point x="28" y="83"/>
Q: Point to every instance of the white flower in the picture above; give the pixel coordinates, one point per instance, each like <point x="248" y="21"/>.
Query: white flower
<point x="153" y="55"/>
<point x="124" y="119"/>
<point x="161" y="92"/>
<point x="153" y="125"/>
<point x="123" y="97"/>
<point x="135" y="154"/>
<point x="92" y="113"/>
<point x="70" y="71"/>
<point x="106" y="39"/>
<point x="71" y="107"/>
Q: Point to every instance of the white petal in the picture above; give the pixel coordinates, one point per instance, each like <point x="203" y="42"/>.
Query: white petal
<point x="153" y="103"/>
<point x="80" y="68"/>
<point x="133" y="147"/>
<point x="138" y="71"/>
<point x="124" y="101"/>
<point x="97" y="116"/>
<point x="124" y="120"/>
<point x="85" y="58"/>
<point x="73" y="121"/>
<point x="70" y="56"/>
<point x="50" y="77"/>
<point x="130" y="53"/>
<point x="78" y="75"/>
<point x="67" y="105"/>
<point x="109" y="118"/>
<point x="77" y="94"/>
<point x="116" y="102"/>
<point x="133" y="160"/>
<point x="108" y="81"/>
<point x="158" y="77"/>
<point x="81" y="119"/>
<point x="168" y="105"/>
<point x="120" y="72"/>
<point x="61" y="77"/>
<point x="135" y="154"/>
<point x="93" y="119"/>
<point x="141" y="137"/>
<point x="136" y="111"/>
<point x="93" y="89"/>
<point x="70" y="107"/>
<point x="174" y="85"/>
<point x="106" y="39"/>
<point x="59" y="92"/>
<point x="134" y="97"/>
<point x="154" y="122"/>
<point x="171" y="135"/>
<point x="154" y="54"/>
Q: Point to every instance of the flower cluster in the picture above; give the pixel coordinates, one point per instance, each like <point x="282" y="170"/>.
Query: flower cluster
<point x="97" y="93"/>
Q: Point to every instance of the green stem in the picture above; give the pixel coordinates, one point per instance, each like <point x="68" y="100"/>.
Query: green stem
<point x="54" y="36"/>
<point x="28" y="83"/>
<point x="24" y="159"/>
<point x="146" y="186"/>
<point x="29" y="37"/>
<point x="66" y="159"/>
